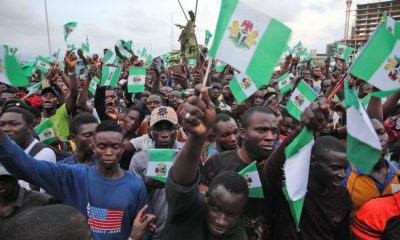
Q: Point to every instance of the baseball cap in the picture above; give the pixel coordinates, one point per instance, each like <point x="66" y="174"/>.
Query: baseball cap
<point x="52" y="90"/>
<point x="163" y="113"/>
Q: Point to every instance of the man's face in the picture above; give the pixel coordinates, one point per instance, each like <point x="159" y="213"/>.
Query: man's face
<point x="108" y="149"/>
<point x="49" y="101"/>
<point x="227" y="134"/>
<point x="226" y="91"/>
<point x="223" y="210"/>
<point x="330" y="169"/>
<point x="84" y="138"/>
<point x="262" y="130"/>
<point x="175" y="99"/>
<point x="15" y="127"/>
<point x="286" y="126"/>
<point x="164" y="134"/>
<point x="132" y="121"/>
<point x="382" y="135"/>
<point x="7" y="96"/>
<point x="238" y="108"/>
<point x="8" y="186"/>
<point x="110" y="98"/>
<point x="144" y="97"/>
<point x="306" y="75"/>
<point x="153" y="102"/>
<point x="317" y="72"/>
<point x="258" y="98"/>
<point x="216" y="90"/>
<point x="325" y="85"/>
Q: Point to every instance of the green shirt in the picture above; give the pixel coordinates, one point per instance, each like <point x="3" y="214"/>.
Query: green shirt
<point x="60" y="122"/>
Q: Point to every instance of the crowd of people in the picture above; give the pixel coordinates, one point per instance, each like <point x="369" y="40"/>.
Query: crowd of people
<point x="91" y="181"/>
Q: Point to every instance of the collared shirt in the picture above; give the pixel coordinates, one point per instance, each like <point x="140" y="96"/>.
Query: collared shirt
<point x="26" y="199"/>
<point x="363" y="187"/>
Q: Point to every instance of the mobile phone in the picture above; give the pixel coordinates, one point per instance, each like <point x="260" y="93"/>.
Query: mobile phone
<point x="159" y="64"/>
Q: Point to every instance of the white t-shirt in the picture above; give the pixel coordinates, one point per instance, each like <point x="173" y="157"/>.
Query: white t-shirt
<point x="46" y="154"/>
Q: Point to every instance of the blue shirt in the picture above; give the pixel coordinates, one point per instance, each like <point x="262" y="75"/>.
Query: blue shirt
<point x="110" y="205"/>
<point x="72" y="160"/>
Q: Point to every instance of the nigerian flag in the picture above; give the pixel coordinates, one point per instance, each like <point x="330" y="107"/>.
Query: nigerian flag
<point x="143" y="54"/>
<point x="123" y="49"/>
<point x="108" y="57"/>
<point x="10" y="50"/>
<point x="242" y="87"/>
<point x="43" y="64"/>
<point x="68" y="28"/>
<point x="149" y="58"/>
<point x="301" y="98"/>
<point x="220" y="66"/>
<point x="93" y="85"/>
<point x="208" y="37"/>
<point x="342" y="52"/>
<point x="284" y="83"/>
<point x="299" y="50"/>
<point x="110" y="76"/>
<point x="33" y="88"/>
<point x="363" y="145"/>
<point x="249" y="40"/>
<point x="159" y="164"/>
<point x="71" y="47"/>
<point x="250" y="174"/>
<point x="136" y="79"/>
<point x="192" y="62"/>
<point x="85" y="46"/>
<point x="296" y="169"/>
<point x="11" y="73"/>
<point x="46" y="132"/>
<point x="379" y="61"/>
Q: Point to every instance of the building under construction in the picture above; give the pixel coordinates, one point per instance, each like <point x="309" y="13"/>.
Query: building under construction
<point x="367" y="18"/>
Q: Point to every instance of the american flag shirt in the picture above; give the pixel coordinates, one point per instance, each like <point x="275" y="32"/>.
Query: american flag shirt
<point x="102" y="219"/>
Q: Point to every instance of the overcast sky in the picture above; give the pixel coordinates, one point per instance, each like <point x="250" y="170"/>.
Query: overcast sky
<point x="148" y="22"/>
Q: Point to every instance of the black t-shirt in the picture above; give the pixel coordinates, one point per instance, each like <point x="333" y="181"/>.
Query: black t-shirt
<point x="324" y="216"/>
<point x="254" y="212"/>
<point x="186" y="215"/>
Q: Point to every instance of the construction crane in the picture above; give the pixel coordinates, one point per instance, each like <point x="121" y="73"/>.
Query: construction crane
<point x="346" y="24"/>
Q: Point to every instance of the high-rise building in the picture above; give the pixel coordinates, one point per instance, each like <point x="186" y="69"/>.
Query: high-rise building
<point x="367" y="18"/>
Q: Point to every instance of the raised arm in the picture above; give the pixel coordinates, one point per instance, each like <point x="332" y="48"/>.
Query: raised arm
<point x="196" y="115"/>
<point x="70" y="62"/>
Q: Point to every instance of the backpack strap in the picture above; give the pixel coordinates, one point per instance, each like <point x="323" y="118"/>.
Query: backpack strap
<point x="37" y="148"/>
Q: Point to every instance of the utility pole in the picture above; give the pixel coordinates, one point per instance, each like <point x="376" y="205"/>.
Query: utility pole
<point x="172" y="34"/>
<point x="346" y="24"/>
<point x="47" y="24"/>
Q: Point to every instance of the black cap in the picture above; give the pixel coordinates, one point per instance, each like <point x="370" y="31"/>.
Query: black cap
<point x="52" y="90"/>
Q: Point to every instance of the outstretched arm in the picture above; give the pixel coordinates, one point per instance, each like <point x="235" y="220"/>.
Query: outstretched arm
<point x="70" y="63"/>
<point x="196" y="115"/>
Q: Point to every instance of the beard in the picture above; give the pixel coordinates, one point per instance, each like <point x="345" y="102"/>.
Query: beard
<point x="255" y="152"/>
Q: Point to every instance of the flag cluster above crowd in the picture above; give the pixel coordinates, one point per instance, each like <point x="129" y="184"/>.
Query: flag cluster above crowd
<point x="220" y="140"/>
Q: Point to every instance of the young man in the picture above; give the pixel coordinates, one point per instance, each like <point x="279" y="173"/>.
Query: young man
<point x="190" y="214"/>
<point x="259" y="133"/>
<point x="18" y="123"/>
<point x="326" y="210"/>
<point x="104" y="193"/>
<point x="163" y="129"/>
<point x="82" y="130"/>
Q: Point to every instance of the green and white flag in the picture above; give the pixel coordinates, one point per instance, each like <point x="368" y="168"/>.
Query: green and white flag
<point x="220" y="66"/>
<point x="69" y="28"/>
<point x="136" y="79"/>
<point x="71" y="47"/>
<point x="93" y="85"/>
<point x="306" y="58"/>
<point x="108" y="57"/>
<point x="242" y="87"/>
<point x="33" y="88"/>
<point x="208" y="37"/>
<point x="110" y="76"/>
<point x="249" y="40"/>
<point x="54" y="56"/>
<point x="250" y="174"/>
<point x="192" y="62"/>
<point x="363" y="145"/>
<point x="143" y="54"/>
<point x="301" y="98"/>
<point x="10" y="50"/>
<point x="379" y="61"/>
<point x="85" y="46"/>
<point x="43" y="64"/>
<point x="296" y="169"/>
<point x="284" y="83"/>
<point x="149" y="59"/>
<point x="123" y="49"/>
<point x="159" y="164"/>
<point x="299" y="50"/>
<point x="28" y="68"/>
<point x="46" y="132"/>
<point x="342" y="52"/>
<point x="11" y="73"/>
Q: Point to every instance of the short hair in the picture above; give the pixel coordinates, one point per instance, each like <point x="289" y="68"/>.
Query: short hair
<point x="221" y="117"/>
<point x="79" y="120"/>
<point x="249" y="112"/>
<point x="158" y="95"/>
<point x="109" y="126"/>
<point x="231" y="181"/>
<point x="26" y="115"/>
<point x="141" y="114"/>
<point x="35" y="111"/>
<point x="326" y="144"/>
<point x="50" y="222"/>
